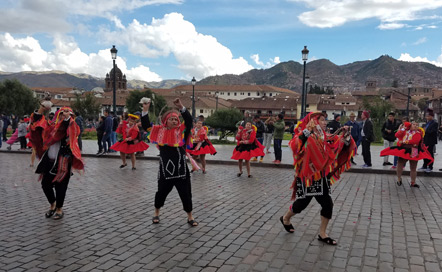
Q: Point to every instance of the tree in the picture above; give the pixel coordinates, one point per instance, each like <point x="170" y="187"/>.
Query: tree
<point x="422" y="104"/>
<point x="89" y="107"/>
<point x="225" y="120"/>
<point x="16" y="98"/>
<point x="132" y="102"/>
<point x="379" y="109"/>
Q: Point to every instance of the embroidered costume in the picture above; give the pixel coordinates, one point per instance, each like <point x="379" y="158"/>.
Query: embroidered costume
<point x="319" y="160"/>
<point x="410" y="145"/>
<point x="173" y="170"/>
<point x="250" y="148"/>
<point x="57" y="147"/>
<point x="130" y="133"/>
<point x="201" y="143"/>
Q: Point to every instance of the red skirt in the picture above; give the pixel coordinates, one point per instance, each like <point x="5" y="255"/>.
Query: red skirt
<point x="407" y="153"/>
<point x="206" y="148"/>
<point x="248" y="151"/>
<point x="129" y="147"/>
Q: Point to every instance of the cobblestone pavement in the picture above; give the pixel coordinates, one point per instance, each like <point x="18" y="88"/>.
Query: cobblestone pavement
<point x="107" y="224"/>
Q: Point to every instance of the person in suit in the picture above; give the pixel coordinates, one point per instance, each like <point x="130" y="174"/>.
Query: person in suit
<point x="430" y="139"/>
<point x="367" y="138"/>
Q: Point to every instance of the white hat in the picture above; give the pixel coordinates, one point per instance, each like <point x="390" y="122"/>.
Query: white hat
<point x="144" y="100"/>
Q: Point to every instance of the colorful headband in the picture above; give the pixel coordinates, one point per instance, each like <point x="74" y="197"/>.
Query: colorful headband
<point x="168" y="115"/>
<point x="311" y="116"/>
<point x="133" y="116"/>
<point x="61" y="110"/>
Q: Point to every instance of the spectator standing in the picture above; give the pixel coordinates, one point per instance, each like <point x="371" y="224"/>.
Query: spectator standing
<point x="430" y="139"/>
<point x="268" y="134"/>
<point x="260" y="129"/>
<point x="100" y="132"/>
<point x="278" y="135"/>
<point x="247" y="118"/>
<point x="355" y="131"/>
<point x="389" y="129"/>
<point x="14" y="123"/>
<point x="79" y="121"/>
<point x="22" y="131"/>
<point x="1" y="129"/>
<point x="6" y="123"/>
<point x="115" y="124"/>
<point x="367" y="138"/>
<point x="334" y="125"/>
<point x="107" y="134"/>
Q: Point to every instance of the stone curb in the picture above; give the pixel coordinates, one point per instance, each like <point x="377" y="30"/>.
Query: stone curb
<point x="268" y="165"/>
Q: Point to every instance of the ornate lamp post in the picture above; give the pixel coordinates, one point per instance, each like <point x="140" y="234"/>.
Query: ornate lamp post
<point x="114" y="101"/>
<point x="216" y="97"/>
<point x="410" y="85"/>
<point x="304" y="95"/>
<point x="193" y="97"/>
<point x="307" y="80"/>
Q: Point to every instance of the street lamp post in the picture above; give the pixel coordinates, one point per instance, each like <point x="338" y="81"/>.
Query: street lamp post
<point x="304" y="95"/>
<point x="216" y="97"/>
<point x="410" y="84"/>
<point x="114" y="101"/>
<point x="307" y="80"/>
<point x="193" y="97"/>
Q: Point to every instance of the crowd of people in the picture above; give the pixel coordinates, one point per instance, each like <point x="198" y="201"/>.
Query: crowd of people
<point x="321" y="151"/>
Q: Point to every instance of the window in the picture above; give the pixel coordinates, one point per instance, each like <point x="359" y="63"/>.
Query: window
<point x="270" y="112"/>
<point x="259" y="112"/>
<point x="248" y="94"/>
<point x="209" y="92"/>
<point x="234" y="94"/>
<point x="201" y="111"/>
<point x="257" y="93"/>
<point x="270" y="94"/>
<point x="228" y="94"/>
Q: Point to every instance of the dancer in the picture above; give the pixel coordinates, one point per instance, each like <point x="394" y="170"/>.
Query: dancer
<point x="57" y="146"/>
<point x="201" y="145"/>
<point x="171" y="138"/>
<point x="410" y="147"/>
<point x="130" y="143"/>
<point x="247" y="147"/>
<point x="319" y="160"/>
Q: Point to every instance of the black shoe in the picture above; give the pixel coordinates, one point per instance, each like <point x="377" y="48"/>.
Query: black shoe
<point x="353" y="162"/>
<point x="387" y="163"/>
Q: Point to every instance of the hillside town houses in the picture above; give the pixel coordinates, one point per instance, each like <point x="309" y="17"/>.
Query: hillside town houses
<point x="263" y="100"/>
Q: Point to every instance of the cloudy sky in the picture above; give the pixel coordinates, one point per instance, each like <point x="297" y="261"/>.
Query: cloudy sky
<point x="179" y="39"/>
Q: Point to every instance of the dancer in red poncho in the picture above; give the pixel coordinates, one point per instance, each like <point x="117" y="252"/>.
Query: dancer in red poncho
<point x="410" y="147"/>
<point x="247" y="147"/>
<point x="201" y="145"/>
<point x="57" y="146"/>
<point x="130" y="143"/>
<point x="319" y="160"/>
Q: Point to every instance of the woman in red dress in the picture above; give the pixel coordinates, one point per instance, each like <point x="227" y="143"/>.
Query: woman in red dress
<point x="247" y="147"/>
<point x="201" y="145"/>
<point x="410" y="147"/>
<point x="130" y="143"/>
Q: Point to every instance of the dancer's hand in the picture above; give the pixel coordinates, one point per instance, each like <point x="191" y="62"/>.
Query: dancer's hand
<point x="178" y="104"/>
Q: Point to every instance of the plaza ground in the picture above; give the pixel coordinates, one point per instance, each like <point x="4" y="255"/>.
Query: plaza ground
<point x="107" y="225"/>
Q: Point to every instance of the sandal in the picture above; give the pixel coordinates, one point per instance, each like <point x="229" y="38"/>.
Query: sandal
<point x="156" y="220"/>
<point x="399" y="182"/>
<point x="414" y="185"/>
<point x="192" y="222"/>
<point x="249" y="176"/>
<point x="289" y="227"/>
<point x="58" y="216"/>
<point x="133" y="168"/>
<point x="123" y="165"/>
<point x="239" y="174"/>
<point x="50" y="213"/>
<point x="327" y="240"/>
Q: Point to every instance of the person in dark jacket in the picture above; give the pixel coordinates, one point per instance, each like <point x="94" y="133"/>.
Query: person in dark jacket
<point x="355" y="131"/>
<point x="430" y="139"/>
<point x="367" y="138"/>
<point x="389" y="129"/>
<point x="79" y="121"/>
<point x="108" y="125"/>
<point x="334" y="125"/>
<point x="6" y="124"/>
<point x="100" y="132"/>
<point x="260" y="129"/>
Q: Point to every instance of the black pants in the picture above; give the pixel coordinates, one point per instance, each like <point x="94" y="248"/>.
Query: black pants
<point x="427" y="163"/>
<point x="80" y="143"/>
<point x="324" y="200"/>
<point x="183" y="187"/>
<point x="366" y="154"/>
<point x="22" y="142"/>
<point x="5" y="130"/>
<point x="278" y="150"/>
<point x="60" y="189"/>
<point x="100" y="141"/>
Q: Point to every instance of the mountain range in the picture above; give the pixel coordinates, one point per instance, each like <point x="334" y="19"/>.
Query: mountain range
<point x="384" y="70"/>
